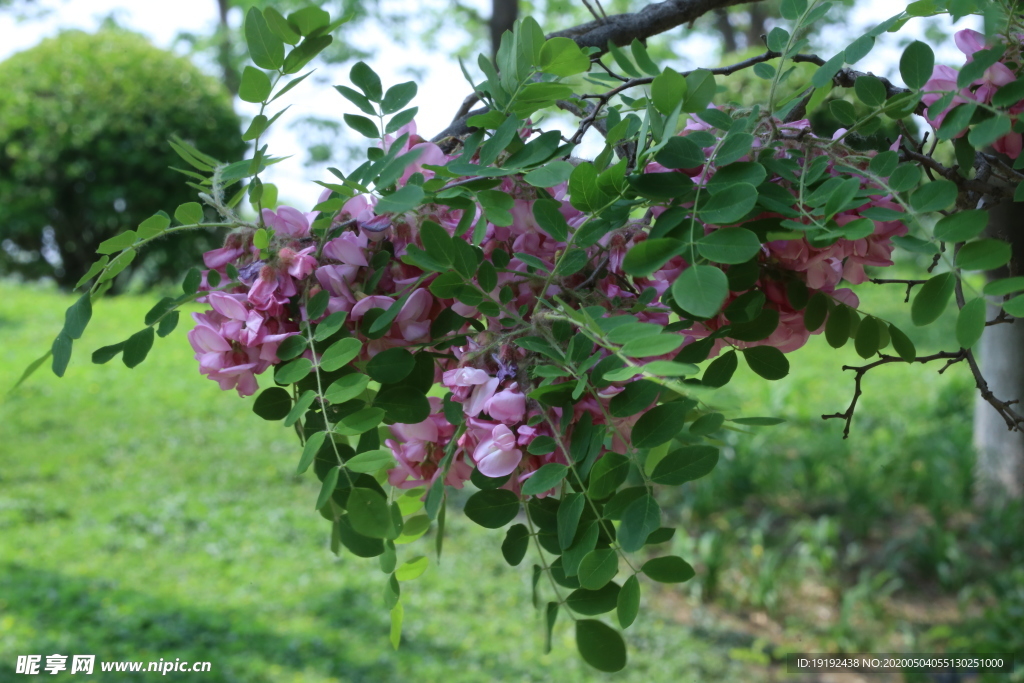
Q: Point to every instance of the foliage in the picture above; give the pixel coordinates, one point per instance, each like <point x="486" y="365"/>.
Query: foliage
<point x="487" y="312"/>
<point x="84" y="122"/>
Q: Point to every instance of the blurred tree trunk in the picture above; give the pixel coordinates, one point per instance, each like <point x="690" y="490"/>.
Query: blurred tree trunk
<point x="1000" y="464"/>
<point x="758" y="14"/>
<point x="230" y="73"/>
<point x="724" y="26"/>
<point x="503" y="15"/>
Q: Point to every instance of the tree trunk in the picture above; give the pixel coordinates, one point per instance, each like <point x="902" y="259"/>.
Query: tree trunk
<point x="231" y="77"/>
<point x="756" y="28"/>
<point x="503" y="15"/>
<point x="1000" y="464"/>
<point x="724" y="26"/>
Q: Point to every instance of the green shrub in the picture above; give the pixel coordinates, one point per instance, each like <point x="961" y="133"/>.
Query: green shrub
<point x="84" y="123"/>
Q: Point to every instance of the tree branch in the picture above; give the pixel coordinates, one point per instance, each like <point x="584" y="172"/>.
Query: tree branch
<point x="620" y="29"/>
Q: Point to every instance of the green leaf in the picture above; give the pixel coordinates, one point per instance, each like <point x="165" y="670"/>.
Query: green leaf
<point x="310" y="449"/>
<point x="279" y="25"/>
<point x="916" y="64"/>
<point x="369" y="513"/>
<point x="61" y="352"/>
<point x="405" y="198"/>
<point x="793" y="9"/>
<point x="357" y="99"/>
<point x="347" y="388"/>
<point x="567" y="519"/>
<point x="391" y="366"/>
<point x="598" y="568"/>
<point x="868" y="338"/>
<point x="340" y="353"/>
<point x="870" y="91"/>
<point x="330" y="483"/>
<point x="290" y="373"/>
<point x="934" y="196"/>
<point x="642" y="59"/>
<point x="584" y="191"/>
<point x="720" y="371"/>
<point x="300" y="408"/>
<point x="1015" y="307"/>
<point x="700" y="90"/>
<point x="608" y="474"/>
<point x="729" y="245"/>
<point x="600" y="645"/>
<point x="639" y="519"/>
<point x="365" y="127"/>
<point x="680" y="152"/>
<point x="190" y="213"/>
<point x="550" y="174"/>
<point x="1005" y="286"/>
<point x="412" y="569"/>
<point x="962" y="226"/>
<point x="729" y="205"/>
<point x="970" y="323"/>
<point x="735" y="146"/>
<point x="984" y="255"/>
<point x="403" y="404"/>
<point x="628" y="602"/>
<point x="667" y="90"/>
<point x="654" y="345"/>
<point x="370" y="462"/>
<point x="777" y="39"/>
<point x="366" y="80"/>
<point x="550" y="219"/>
<point x="77" y="317"/>
<point x="117" y="243"/>
<point x="827" y="71"/>
<point x="931" y="298"/>
<point x="668" y="569"/>
<point x="292" y="347"/>
<point x="137" y="347"/>
<point x="266" y="49"/>
<point x="594" y="602"/>
<point x="701" y="290"/>
<point x="492" y="509"/>
<point x="563" y="57"/>
<point x="901" y="344"/>
<point x="93" y="269"/>
<point x="273" y="403"/>
<point x="398" y="96"/>
<point x="859" y="49"/>
<point x="255" y="86"/>
<point x="837" y="329"/>
<point x="660" y="424"/>
<point x="685" y="464"/>
<point x="516" y="543"/>
<point x="767" y="361"/>
<point x="545" y="478"/>
<point x="360" y="422"/>
<point x="989" y="130"/>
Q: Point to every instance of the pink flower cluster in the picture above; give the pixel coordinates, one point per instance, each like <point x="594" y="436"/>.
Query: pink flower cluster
<point x="981" y="90"/>
<point x="362" y="269"/>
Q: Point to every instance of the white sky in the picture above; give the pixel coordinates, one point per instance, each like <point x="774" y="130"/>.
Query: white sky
<point x="439" y="95"/>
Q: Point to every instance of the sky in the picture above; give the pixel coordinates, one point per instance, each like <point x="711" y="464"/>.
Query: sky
<point x="440" y="92"/>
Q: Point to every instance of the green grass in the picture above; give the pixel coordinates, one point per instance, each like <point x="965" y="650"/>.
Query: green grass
<point x="146" y="514"/>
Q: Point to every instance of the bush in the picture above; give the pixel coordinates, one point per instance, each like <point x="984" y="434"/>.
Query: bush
<point x="84" y="123"/>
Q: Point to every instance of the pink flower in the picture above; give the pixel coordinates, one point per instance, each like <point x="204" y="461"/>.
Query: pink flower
<point x="508" y="405"/>
<point x="498" y="455"/>
<point x="289" y="221"/>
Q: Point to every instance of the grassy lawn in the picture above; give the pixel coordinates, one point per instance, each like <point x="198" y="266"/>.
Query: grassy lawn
<point x="146" y="514"/>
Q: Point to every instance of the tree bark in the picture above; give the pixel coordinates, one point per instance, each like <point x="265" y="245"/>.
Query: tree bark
<point x="999" y="471"/>
<point x="503" y="16"/>
<point x="230" y="73"/>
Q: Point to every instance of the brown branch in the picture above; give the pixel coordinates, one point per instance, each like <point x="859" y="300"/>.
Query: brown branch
<point x="950" y="356"/>
<point x="909" y="283"/>
<point x="620" y="29"/>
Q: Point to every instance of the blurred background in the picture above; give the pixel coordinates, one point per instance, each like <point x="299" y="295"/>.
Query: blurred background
<point x="146" y="514"/>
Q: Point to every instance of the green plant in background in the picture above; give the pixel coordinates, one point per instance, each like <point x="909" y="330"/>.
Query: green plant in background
<point x="84" y="124"/>
<point x="584" y="292"/>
